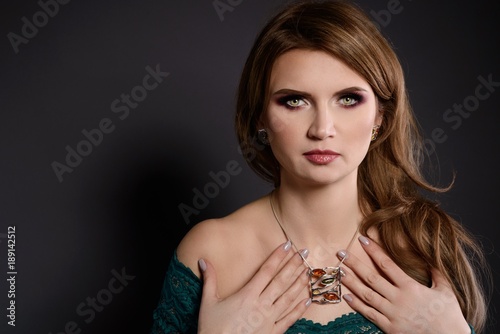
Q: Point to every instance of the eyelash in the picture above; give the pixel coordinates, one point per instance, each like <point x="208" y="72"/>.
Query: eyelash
<point x="284" y="101"/>
<point x="357" y="97"/>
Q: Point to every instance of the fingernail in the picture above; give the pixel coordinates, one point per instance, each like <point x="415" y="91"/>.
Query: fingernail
<point x="304" y="253"/>
<point x="308" y="302"/>
<point x="364" y="240"/>
<point x="348" y="298"/>
<point x="202" y="264"/>
<point x="287" y="245"/>
<point x="342" y="254"/>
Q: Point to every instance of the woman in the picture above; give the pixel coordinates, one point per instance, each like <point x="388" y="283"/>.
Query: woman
<point x="345" y="242"/>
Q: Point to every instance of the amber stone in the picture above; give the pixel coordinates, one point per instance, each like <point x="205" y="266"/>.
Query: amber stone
<point x="316" y="292"/>
<point x="331" y="296"/>
<point x="317" y="273"/>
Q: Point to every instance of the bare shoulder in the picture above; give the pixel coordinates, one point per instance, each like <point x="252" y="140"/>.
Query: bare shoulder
<point x="222" y="240"/>
<point x="199" y="243"/>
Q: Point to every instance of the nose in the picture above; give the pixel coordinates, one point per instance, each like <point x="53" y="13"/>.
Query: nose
<point x="322" y="125"/>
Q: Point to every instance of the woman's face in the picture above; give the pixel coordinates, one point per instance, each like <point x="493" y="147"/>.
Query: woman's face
<point x="320" y="117"/>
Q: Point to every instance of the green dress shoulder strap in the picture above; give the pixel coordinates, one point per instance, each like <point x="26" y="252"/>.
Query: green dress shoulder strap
<point x="179" y="303"/>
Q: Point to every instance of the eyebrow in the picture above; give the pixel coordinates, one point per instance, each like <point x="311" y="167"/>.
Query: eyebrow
<point x="287" y="91"/>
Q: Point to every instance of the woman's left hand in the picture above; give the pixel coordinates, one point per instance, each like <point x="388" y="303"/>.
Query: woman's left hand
<point x="397" y="303"/>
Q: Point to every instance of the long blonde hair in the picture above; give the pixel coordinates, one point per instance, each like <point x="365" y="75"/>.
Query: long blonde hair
<point x="415" y="231"/>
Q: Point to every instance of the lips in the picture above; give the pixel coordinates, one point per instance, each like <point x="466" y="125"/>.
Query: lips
<point x="321" y="157"/>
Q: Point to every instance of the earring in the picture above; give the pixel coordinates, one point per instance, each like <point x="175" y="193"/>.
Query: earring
<point x="263" y="136"/>
<point x="375" y="131"/>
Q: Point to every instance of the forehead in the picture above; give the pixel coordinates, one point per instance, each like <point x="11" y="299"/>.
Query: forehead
<point x="313" y="69"/>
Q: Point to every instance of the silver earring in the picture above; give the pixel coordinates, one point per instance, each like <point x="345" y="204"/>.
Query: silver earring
<point x="375" y="131"/>
<point x="263" y="136"/>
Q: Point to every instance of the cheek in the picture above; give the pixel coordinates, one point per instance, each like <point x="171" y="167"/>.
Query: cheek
<point x="365" y="130"/>
<point x="365" y="123"/>
<point x="284" y="136"/>
<point x="359" y="133"/>
<point x="280" y="126"/>
<point x="276" y="123"/>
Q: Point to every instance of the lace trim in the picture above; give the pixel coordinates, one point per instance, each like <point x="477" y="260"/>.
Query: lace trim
<point x="178" y="308"/>
<point x="351" y="323"/>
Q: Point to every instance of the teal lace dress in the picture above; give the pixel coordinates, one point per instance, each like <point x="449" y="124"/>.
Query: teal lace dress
<point x="178" y="307"/>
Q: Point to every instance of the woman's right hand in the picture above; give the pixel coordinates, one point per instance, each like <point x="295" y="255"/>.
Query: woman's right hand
<point x="268" y="303"/>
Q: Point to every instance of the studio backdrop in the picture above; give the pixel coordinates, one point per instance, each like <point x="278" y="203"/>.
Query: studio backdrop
<point x="116" y="125"/>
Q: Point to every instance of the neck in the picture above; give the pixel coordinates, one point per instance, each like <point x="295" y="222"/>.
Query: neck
<point x="322" y="219"/>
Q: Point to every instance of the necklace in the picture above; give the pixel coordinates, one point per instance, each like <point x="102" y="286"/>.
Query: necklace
<point x="325" y="284"/>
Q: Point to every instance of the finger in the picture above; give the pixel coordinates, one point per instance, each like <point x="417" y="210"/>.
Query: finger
<point x="295" y="314"/>
<point x="365" y="293"/>
<point x="209" y="293"/>
<point x="269" y="268"/>
<point x="285" y="277"/>
<point x="286" y="300"/>
<point x="368" y="312"/>
<point x="388" y="267"/>
<point x="372" y="279"/>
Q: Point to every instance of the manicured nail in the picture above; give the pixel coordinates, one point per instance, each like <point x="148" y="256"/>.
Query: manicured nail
<point x="364" y="240"/>
<point x="308" y="302"/>
<point x="342" y="254"/>
<point x="304" y="253"/>
<point x="202" y="264"/>
<point x="348" y="298"/>
<point x="287" y="245"/>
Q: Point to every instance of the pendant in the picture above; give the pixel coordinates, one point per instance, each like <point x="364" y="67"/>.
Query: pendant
<point x="326" y="285"/>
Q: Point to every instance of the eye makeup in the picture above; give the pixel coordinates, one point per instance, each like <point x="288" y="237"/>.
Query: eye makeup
<point x="351" y="99"/>
<point x="293" y="100"/>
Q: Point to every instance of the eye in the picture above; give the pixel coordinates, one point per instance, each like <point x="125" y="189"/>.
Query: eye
<point x="295" y="102"/>
<point x="350" y="100"/>
<point x="292" y="102"/>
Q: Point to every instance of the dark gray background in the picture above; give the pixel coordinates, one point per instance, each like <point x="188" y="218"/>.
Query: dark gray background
<point x="119" y="208"/>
